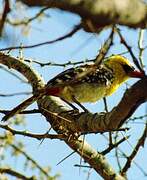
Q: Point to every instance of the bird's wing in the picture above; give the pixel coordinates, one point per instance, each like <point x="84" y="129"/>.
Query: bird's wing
<point x="81" y="74"/>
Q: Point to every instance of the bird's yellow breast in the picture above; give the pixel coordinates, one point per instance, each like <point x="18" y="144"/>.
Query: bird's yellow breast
<point x="83" y="93"/>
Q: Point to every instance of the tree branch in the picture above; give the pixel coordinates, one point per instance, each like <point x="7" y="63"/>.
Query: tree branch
<point x="27" y="21"/>
<point x="68" y="35"/>
<point x="33" y="111"/>
<point x="33" y="78"/>
<point x="58" y="123"/>
<point x="112" y="146"/>
<point x="101" y="13"/>
<point x="16" y="174"/>
<point x="29" y="158"/>
<point x="139" y="144"/>
<point x="31" y="135"/>
<point x="52" y="108"/>
<point x="102" y="122"/>
<point x="4" y="16"/>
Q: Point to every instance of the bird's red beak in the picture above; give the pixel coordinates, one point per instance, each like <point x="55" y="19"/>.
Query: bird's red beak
<point x="137" y="74"/>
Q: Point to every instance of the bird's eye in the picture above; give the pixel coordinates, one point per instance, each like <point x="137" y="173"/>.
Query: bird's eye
<point x="128" y="68"/>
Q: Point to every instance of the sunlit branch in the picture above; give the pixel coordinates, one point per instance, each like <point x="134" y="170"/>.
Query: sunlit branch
<point x="140" y="46"/>
<point x="13" y="74"/>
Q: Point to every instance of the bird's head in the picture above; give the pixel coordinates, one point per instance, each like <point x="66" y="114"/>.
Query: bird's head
<point x="122" y="68"/>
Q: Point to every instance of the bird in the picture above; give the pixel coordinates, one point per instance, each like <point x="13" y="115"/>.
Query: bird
<point x="85" y="83"/>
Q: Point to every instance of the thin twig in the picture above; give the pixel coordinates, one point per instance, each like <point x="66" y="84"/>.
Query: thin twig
<point x="36" y="136"/>
<point x="116" y="152"/>
<point x="108" y="130"/>
<point x="105" y="104"/>
<point x="123" y="41"/>
<point x="15" y="174"/>
<point x="27" y="21"/>
<point x="30" y="159"/>
<point x="105" y="48"/>
<point x="110" y="133"/>
<point x="114" y="145"/>
<point x="139" y="144"/>
<point x="57" y="115"/>
<point x="15" y="94"/>
<point x="33" y="111"/>
<point x="72" y="32"/>
<point x="84" y="166"/>
<point x="138" y="117"/>
<point x="69" y="63"/>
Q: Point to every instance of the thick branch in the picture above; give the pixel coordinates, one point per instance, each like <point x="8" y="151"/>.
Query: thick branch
<point x="132" y="13"/>
<point x="101" y="122"/>
<point x="33" y="78"/>
<point x="51" y="107"/>
<point x="132" y="99"/>
<point x="95" y="159"/>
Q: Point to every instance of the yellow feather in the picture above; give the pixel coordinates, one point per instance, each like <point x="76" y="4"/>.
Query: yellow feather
<point x="88" y="92"/>
<point x="116" y="63"/>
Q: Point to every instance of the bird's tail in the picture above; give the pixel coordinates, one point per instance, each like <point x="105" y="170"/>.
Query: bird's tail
<point x="52" y="91"/>
<point x="22" y="106"/>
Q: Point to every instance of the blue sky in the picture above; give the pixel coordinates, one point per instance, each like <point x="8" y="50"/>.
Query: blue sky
<point x="81" y="46"/>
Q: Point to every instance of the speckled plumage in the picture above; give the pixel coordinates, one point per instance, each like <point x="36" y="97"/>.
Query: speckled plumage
<point x="89" y="83"/>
